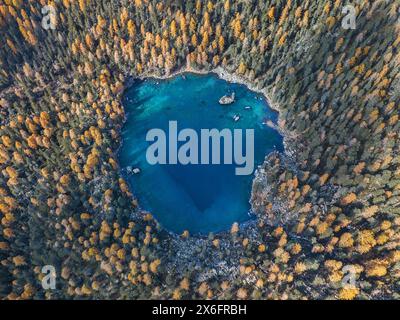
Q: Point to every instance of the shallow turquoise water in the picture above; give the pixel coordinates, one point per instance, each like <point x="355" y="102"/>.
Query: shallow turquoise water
<point x="198" y="198"/>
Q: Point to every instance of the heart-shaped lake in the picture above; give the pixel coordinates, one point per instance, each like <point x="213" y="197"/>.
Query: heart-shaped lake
<point x="167" y="162"/>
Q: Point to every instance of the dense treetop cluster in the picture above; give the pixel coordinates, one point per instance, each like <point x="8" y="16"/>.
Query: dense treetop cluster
<point x="333" y="205"/>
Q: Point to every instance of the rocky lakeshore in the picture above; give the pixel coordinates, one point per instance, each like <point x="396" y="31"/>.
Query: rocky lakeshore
<point x="213" y="255"/>
<point x="198" y="252"/>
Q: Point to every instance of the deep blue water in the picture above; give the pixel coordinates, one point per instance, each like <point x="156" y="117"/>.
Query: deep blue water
<point x="198" y="198"/>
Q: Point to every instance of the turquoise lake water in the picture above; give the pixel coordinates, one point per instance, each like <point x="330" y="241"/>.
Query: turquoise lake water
<point x="199" y="198"/>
